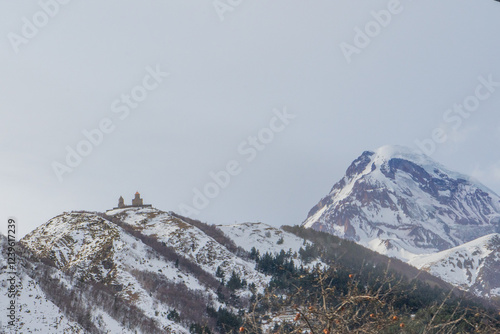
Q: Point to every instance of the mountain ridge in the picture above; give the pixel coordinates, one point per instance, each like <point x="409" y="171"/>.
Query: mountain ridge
<point x="473" y="266"/>
<point x="144" y="270"/>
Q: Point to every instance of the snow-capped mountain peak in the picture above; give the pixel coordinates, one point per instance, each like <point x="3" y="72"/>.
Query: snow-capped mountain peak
<point x="400" y="202"/>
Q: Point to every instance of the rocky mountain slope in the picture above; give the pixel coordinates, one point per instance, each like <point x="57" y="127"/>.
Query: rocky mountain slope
<point x="402" y="203"/>
<point x="162" y="268"/>
<point x="37" y="313"/>
<point x="473" y="266"/>
<point x="93" y="250"/>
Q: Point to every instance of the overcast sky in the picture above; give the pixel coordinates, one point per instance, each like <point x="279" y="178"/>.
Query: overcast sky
<point x="231" y="70"/>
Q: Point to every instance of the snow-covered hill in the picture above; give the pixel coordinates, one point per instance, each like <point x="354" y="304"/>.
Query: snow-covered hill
<point x="93" y="249"/>
<point x="402" y="203"/>
<point x="190" y="241"/>
<point x="267" y="238"/>
<point x="35" y="312"/>
<point x="474" y="266"/>
<point x="131" y="250"/>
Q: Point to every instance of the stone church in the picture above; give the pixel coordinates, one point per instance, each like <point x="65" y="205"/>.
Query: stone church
<point x="137" y="202"/>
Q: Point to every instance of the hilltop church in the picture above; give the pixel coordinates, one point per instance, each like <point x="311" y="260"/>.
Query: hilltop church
<point x="137" y="202"/>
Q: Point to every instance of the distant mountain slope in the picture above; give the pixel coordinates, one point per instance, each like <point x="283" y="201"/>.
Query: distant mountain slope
<point x="474" y="266"/>
<point x="265" y="237"/>
<point x="402" y="203"/>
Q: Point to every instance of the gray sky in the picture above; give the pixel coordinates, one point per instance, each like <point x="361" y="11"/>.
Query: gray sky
<point x="67" y="72"/>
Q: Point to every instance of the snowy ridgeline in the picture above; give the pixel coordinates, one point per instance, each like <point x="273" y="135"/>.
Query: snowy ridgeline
<point x="473" y="266"/>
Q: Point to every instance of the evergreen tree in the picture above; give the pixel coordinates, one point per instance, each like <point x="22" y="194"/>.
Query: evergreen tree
<point x="234" y="283"/>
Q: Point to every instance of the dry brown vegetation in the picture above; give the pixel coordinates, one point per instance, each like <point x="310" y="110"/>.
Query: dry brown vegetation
<point x="324" y="309"/>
